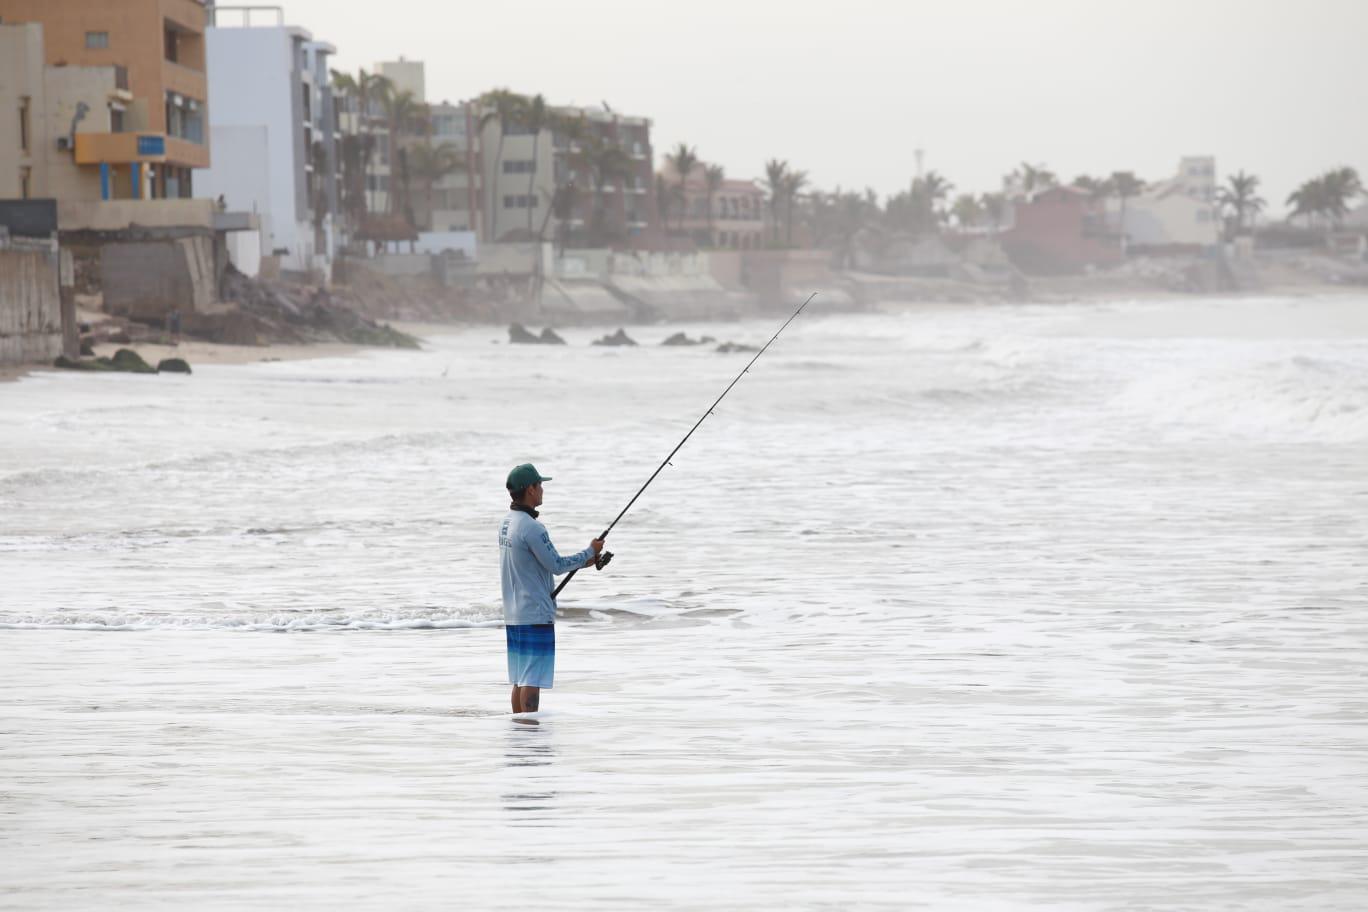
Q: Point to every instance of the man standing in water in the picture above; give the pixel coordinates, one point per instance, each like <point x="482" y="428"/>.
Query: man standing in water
<point x="528" y="564"/>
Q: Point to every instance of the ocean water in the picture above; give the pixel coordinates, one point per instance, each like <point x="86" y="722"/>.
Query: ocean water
<point x="1019" y="607"/>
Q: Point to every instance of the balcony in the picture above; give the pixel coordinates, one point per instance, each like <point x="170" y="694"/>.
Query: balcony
<point x="123" y="148"/>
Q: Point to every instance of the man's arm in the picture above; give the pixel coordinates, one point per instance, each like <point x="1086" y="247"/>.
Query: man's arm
<point x="539" y="542"/>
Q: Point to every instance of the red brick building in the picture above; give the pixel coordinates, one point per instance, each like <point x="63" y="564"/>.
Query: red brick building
<point x="1060" y="230"/>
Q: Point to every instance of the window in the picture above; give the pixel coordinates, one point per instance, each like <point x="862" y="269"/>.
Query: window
<point x="520" y="201"/>
<point x="116" y="120"/>
<point x="518" y="166"/>
<point x="172" y="45"/>
<point x="97" y="41"/>
<point x="25" y="174"/>
<point x="24" y="124"/>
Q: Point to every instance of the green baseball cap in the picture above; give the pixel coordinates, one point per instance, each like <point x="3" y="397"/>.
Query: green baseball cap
<point x="524" y="476"/>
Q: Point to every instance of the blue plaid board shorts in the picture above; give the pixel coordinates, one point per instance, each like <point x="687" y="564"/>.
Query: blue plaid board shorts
<point x="531" y="654"/>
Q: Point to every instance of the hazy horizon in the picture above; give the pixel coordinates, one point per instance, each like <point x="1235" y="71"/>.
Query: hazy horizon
<point x="1276" y="89"/>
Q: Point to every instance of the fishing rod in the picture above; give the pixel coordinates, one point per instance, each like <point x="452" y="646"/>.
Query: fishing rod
<point x="606" y="556"/>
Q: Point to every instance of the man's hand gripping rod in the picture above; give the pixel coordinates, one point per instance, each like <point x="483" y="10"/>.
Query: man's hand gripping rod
<point x="606" y="556"/>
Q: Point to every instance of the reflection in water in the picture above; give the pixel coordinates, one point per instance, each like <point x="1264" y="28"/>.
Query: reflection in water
<point x="529" y="754"/>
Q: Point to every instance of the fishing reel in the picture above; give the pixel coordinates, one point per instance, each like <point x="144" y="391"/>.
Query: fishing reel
<point x="602" y="560"/>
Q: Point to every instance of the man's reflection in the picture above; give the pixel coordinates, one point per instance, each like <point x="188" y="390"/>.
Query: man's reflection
<point x="529" y="755"/>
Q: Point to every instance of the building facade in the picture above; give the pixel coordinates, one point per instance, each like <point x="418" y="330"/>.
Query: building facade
<point x="730" y="216"/>
<point x="584" y="179"/>
<point x="123" y="97"/>
<point x="273" y="121"/>
<point x="455" y="200"/>
<point x="1060" y="230"/>
<point x="1179" y="212"/>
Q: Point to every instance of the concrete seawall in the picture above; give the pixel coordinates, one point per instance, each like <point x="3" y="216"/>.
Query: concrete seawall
<point x="30" y="307"/>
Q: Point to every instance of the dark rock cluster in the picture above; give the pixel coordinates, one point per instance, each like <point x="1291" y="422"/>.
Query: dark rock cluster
<point x="618" y="338"/>
<point x="521" y="335"/>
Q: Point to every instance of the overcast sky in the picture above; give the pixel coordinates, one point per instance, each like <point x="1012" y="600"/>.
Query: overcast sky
<point x="848" y="90"/>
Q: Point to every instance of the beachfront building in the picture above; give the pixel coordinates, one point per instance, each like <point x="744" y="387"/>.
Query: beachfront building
<point x="729" y="215"/>
<point x="110" y="98"/>
<point x="594" y="162"/>
<point x="276" y="132"/>
<point x="1060" y="230"/>
<point x="451" y="192"/>
<point x="1174" y="214"/>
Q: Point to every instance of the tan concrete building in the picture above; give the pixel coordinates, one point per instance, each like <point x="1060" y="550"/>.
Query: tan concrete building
<point x="114" y="108"/>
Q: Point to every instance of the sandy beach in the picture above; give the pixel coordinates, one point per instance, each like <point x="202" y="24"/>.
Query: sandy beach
<point x="202" y="353"/>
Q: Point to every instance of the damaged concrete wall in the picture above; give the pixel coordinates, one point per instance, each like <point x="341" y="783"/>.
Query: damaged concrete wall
<point x="149" y="279"/>
<point x="30" y="307"/>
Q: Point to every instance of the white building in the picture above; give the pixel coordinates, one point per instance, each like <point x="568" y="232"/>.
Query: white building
<point x="1180" y="211"/>
<point x="274" y="134"/>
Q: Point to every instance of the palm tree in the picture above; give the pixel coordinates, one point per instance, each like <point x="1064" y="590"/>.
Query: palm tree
<point x="928" y="193"/>
<point x="502" y="107"/>
<point x="569" y="133"/>
<point x="364" y="89"/>
<point x="1096" y="188"/>
<point x="402" y="110"/>
<point x="794" y="182"/>
<point x="839" y="217"/>
<point x="713" y="175"/>
<point x="776" y="173"/>
<point x="664" y="198"/>
<point x="967" y="210"/>
<point x="1309" y="200"/>
<point x="605" y="162"/>
<point x="431" y="163"/>
<point x="1124" y="185"/>
<point x="683" y="159"/>
<point x="1031" y="179"/>
<point x="1341" y="185"/>
<point x="994" y="207"/>
<point x="353" y="152"/>
<point x="562" y="206"/>
<point x="535" y="117"/>
<point x="1241" y="198"/>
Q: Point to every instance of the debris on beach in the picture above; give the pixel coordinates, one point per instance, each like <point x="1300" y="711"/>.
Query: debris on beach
<point x="618" y="338"/>
<point x="274" y="311"/>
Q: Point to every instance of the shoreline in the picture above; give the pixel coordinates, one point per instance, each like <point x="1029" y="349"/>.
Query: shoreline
<point x="199" y="353"/>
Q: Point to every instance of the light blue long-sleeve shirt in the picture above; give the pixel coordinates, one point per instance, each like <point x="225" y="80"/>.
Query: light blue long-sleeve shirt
<point x="528" y="565"/>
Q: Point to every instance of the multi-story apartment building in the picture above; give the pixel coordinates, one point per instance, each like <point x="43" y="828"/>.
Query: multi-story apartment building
<point x="732" y="215"/>
<point x="455" y="202"/>
<point x="596" y="163"/>
<point x="111" y="98"/>
<point x="273" y="123"/>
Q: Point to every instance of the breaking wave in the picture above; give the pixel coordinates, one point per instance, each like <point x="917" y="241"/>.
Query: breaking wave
<point x="1298" y="398"/>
